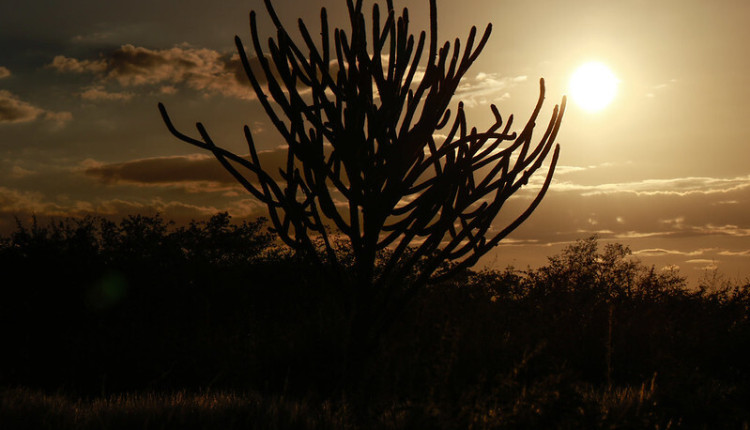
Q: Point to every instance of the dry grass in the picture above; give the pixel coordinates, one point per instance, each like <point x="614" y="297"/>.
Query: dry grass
<point x="533" y="407"/>
<point x="29" y="409"/>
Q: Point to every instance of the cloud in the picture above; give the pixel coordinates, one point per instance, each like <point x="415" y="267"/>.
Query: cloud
<point x="22" y="205"/>
<point x="161" y="171"/>
<point x="200" y="69"/>
<point x="196" y="173"/>
<point x="168" y="89"/>
<point x="72" y="65"/>
<point x="99" y="93"/>
<point x="15" y="110"/>
<point x="60" y="118"/>
<point x="662" y="187"/>
<point x="486" y="88"/>
<point x="703" y="261"/>
<point x="17" y="172"/>
<point x="642" y="234"/>
<point x="14" y="201"/>
<point x="724" y="230"/>
<point x="660" y="213"/>
<point x="120" y="208"/>
<point x="654" y="252"/>
<point x="564" y="170"/>
<point x="567" y="170"/>
<point x="4" y="72"/>
<point x="658" y="88"/>
<point x="743" y="253"/>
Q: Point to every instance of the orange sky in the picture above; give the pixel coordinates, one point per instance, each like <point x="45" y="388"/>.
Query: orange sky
<point x="663" y="169"/>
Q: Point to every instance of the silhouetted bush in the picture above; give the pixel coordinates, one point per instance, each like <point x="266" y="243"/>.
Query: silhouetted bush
<point x="593" y="338"/>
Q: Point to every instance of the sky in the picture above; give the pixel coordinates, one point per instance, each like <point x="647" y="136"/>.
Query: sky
<point x="663" y="168"/>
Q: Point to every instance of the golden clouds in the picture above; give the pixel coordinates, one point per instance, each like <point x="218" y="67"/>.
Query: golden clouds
<point x="486" y="88"/>
<point x="200" y="69"/>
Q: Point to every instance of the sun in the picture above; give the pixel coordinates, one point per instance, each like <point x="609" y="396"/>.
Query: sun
<point x="593" y="86"/>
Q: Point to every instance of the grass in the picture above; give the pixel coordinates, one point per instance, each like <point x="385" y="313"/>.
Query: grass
<point x="22" y="408"/>
<point x="534" y="407"/>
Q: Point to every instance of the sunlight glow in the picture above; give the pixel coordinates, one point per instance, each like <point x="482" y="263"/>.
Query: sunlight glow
<point x="593" y="86"/>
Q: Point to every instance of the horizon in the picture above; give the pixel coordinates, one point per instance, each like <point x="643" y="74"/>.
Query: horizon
<point x="661" y="168"/>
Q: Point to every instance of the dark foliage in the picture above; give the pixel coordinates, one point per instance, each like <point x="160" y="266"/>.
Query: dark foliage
<point x="90" y="303"/>
<point x="592" y="339"/>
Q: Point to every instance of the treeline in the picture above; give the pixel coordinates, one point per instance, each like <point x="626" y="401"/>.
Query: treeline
<point x="593" y="338"/>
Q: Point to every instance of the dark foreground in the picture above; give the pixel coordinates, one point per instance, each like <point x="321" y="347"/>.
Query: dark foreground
<point x="24" y="408"/>
<point x="142" y="325"/>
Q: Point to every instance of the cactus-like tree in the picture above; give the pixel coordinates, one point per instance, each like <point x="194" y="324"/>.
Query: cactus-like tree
<point x="373" y="155"/>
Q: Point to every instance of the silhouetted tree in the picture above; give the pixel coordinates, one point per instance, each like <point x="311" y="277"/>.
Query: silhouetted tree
<point x="365" y="156"/>
<point x="361" y="130"/>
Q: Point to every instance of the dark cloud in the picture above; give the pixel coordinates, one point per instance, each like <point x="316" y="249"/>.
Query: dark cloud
<point x="161" y="171"/>
<point x="13" y="109"/>
<point x="201" y="69"/>
<point x="200" y="171"/>
<point x="59" y="118"/>
<point x="206" y="70"/>
<point x="13" y="201"/>
<point x="4" y="72"/>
